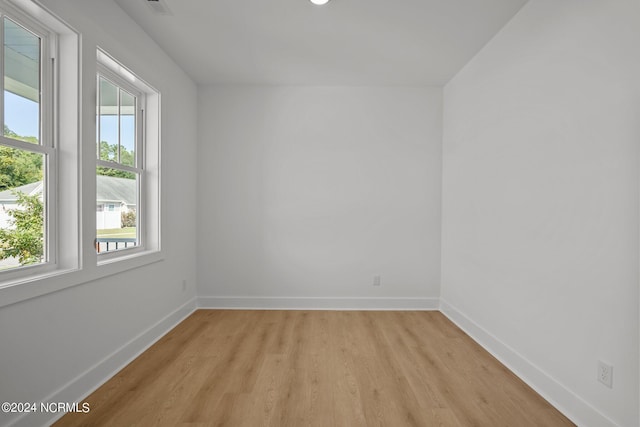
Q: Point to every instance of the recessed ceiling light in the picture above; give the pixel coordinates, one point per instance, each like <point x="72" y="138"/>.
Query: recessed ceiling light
<point x="319" y="2"/>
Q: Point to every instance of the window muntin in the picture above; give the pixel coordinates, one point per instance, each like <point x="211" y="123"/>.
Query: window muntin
<point x="27" y="155"/>
<point x="119" y="169"/>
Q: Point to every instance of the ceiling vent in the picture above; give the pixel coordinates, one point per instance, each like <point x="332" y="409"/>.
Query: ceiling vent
<point x="158" y="6"/>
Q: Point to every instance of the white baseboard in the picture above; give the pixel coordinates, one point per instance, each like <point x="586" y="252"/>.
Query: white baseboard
<point x="566" y="401"/>
<point x="87" y="382"/>
<point x="318" y="303"/>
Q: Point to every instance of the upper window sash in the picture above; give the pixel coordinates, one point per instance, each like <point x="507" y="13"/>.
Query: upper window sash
<point x="118" y="81"/>
<point x="46" y="78"/>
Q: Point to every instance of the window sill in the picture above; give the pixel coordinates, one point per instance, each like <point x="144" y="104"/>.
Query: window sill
<point x="37" y="285"/>
<point x="127" y="260"/>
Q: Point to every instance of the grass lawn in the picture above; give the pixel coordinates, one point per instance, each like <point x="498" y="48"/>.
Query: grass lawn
<point x="127" y="232"/>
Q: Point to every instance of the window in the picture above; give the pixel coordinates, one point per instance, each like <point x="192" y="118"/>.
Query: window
<point x="119" y="164"/>
<point x="43" y="206"/>
<point x="127" y="161"/>
<point x="27" y="149"/>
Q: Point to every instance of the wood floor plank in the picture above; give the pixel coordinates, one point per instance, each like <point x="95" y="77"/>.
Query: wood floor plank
<point x="316" y="368"/>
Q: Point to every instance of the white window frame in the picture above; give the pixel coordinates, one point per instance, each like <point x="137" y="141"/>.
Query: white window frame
<point x="47" y="146"/>
<point x="60" y="134"/>
<point x="103" y="72"/>
<point x="72" y="227"/>
<point x="147" y="157"/>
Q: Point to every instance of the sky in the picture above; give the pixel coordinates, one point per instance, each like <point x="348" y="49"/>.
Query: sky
<point x="21" y="115"/>
<point x="109" y="130"/>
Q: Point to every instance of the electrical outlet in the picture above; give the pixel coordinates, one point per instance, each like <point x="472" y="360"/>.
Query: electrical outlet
<point x="184" y="285"/>
<point x="376" y="280"/>
<point x="605" y="374"/>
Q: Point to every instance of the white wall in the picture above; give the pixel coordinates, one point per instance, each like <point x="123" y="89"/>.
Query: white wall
<point x="55" y="346"/>
<point x="540" y="201"/>
<point x="309" y="192"/>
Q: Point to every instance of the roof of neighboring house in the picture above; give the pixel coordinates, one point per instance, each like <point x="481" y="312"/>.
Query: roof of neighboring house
<point x="29" y="189"/>
<point x="108" y="189"/>
<point x="112" y="189"/>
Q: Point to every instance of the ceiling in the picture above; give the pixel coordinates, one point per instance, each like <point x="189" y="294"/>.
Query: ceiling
<point x="346" y="42"/>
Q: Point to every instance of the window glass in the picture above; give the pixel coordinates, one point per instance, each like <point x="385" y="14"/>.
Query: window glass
<point x="21" y="83"/>
<point x="116" y="223"/>
<point x="108" y="122"/>
<point x="127" y="128"/>
<point x="22" y="159"/>
<point x="22" y="208"/>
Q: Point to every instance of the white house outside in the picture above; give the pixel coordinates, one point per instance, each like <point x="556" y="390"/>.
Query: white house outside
<point x="8" y="201"/>
<point x="114" y="196"/>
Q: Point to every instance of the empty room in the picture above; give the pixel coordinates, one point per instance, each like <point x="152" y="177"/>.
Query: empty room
<point x="320" y="213"/>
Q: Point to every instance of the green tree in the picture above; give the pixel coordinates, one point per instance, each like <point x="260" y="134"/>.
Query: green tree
<point x="126" y="157"/>
<point x="18" y="167"/>
<point x="109" y="153"/>
<point x="24" y="238"/>
<point x="128" y="219"/>
<point x="11" y="134"/>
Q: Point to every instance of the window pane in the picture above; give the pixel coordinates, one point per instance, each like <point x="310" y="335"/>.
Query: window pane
<point x="108" y="138"/>
<point x="116" y="202"/>
<point x="21" y="83"/>
<point x="127" y="128"/>
<point x="22" y="208"/>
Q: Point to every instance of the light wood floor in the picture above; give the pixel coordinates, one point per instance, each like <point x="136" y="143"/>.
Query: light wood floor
<point x="316" y="368"/>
